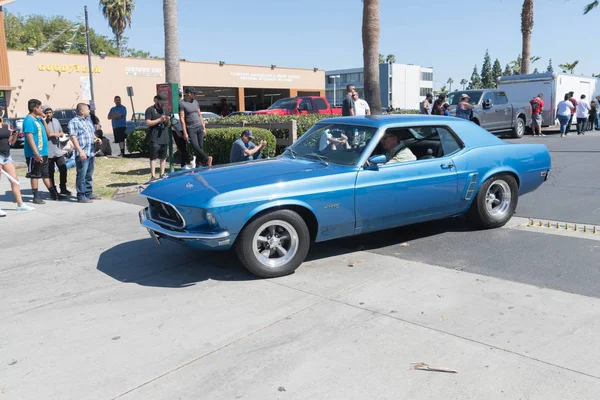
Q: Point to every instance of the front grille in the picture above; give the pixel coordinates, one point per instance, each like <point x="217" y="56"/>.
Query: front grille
<point x="165" y="213"/>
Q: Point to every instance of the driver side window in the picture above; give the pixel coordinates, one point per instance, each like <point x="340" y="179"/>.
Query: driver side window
<point x="489" y="96"/>
<point x="306" y="105"/>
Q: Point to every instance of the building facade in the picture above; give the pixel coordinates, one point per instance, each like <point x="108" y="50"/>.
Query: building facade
<point x="402" y="86"/>
<point x="62" y="81"/>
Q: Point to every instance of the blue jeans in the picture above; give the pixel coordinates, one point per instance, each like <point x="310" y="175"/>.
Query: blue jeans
<point x="70" y="161"/>
<point x="598" y="122"/>
<point x="85" y="172"/>
<point x="564" y="120"/>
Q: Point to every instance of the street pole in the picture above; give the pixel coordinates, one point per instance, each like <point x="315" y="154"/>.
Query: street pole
<point x="89" y="54"/>
<point x="334" y="89"/>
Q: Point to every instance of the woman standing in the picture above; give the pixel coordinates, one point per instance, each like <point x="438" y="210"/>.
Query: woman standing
<point x="464" y="109"/>
<point x="7" y="166"/>
<point x="563" y="113"/>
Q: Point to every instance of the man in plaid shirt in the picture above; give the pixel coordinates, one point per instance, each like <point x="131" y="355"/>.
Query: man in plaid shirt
<point x="82" y="135"/>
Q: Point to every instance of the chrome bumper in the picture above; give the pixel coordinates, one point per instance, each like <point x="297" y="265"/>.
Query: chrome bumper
<point x="157" y="232"/>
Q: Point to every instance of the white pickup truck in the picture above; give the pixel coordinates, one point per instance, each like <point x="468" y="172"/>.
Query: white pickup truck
<point x="494" y="112"/>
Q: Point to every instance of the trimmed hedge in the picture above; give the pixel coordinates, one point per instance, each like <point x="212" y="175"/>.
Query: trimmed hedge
<point x="217" y="142"/>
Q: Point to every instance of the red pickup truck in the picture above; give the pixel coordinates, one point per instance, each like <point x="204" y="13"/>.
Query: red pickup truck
<point x="300" y="105"/>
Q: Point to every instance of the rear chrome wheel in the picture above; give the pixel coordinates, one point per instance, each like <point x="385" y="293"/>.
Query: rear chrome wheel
<point x="495" y="203"/>
<point x="519" y="129"/>
<point x="274" y="244"/>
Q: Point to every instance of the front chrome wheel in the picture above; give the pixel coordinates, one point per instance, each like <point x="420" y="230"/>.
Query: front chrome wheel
<point x="498" y="199"/>
<point x="275" y="243"/>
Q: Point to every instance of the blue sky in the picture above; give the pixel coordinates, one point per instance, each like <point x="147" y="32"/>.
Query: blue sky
<point x="451" y="36"/>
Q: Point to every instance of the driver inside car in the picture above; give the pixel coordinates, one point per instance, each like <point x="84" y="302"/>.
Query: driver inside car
<point x="395" y="149"/>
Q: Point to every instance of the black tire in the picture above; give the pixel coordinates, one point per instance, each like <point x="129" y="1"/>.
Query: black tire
<point x="483" y="211"/>
<point x="519" y="129"/>
<point x="251" y="246"/>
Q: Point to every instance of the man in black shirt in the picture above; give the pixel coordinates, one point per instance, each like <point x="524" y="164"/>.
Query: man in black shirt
<point x="158" y="125"/>
<point x="348" y="103"/>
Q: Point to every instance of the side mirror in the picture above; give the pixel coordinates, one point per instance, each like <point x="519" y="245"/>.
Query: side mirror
<point x="487" y="104"/>
<point x="376" y="160"/>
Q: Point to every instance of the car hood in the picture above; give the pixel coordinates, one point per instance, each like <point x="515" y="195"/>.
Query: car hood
<point x="198" y="186"/>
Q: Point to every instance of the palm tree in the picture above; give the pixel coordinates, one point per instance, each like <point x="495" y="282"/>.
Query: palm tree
<point x="171" y="41"/>
<point x="118" y="13"/>
<point x="463" y="82"/>
<point x="591" y="6"/>
<point x="526" y="28"/>
<point x="569" y="66"/>
<point x="390" y="59"/>
<point x="450" y="81"/>
<point x="370" y="38"/>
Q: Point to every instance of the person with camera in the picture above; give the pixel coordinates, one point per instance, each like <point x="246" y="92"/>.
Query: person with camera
<point x="159" y="126"/>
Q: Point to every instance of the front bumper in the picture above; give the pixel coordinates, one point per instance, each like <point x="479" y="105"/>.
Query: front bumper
<point x="214" y="241"/>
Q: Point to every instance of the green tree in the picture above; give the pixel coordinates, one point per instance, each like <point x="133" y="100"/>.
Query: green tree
<point x="507" y="70"/>
<point x="516" y="65"/>
<point x="370" y="39"/>
<point x="569" y="66"/>
<point x="118" y="14"/>
<point x="526" y="28"/>
<point x="381" y="59"/>
<point x="590" y="6"/>
<point x="535" y="71"/>
<point x="486" y="72"/>
<point x="550" y="69"/>
<point x="390" y="59"/>
<point x="463" y="82"/>
<point x="450" y="81"/>
<point x="475" y="82"/>
<point x="496" y="71"/>
<point x="443" y="89"/>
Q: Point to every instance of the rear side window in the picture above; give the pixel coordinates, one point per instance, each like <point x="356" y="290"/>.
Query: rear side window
<point x="501" y="98"/>
<point x="320" y="104"/>
<point x="449" y="143"/>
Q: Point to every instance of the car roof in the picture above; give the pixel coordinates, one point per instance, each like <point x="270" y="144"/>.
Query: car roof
<point x="470" y="133"/>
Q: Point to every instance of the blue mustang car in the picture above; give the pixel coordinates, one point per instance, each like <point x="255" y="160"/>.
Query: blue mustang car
<point x="345" y="176"/>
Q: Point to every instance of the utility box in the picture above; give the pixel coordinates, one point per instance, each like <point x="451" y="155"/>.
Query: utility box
<point x="171" y="93"/>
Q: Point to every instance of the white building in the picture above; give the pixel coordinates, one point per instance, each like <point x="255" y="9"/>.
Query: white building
<point x="403" y="86"/>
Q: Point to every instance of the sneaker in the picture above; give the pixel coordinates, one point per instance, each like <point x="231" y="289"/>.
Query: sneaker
<point x="94" y="197"/>
<point x="163" y="176"/>
<point x="541" y="134"/>
<point x="38" y="201"/>
<point x="186" y="167"/>
<point x="84" y="200"/>
<point x="2" y="213"/>
<point x="25" y="207"/>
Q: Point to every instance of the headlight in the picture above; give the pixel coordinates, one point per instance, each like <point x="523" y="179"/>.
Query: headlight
<point x="210" y="218"/>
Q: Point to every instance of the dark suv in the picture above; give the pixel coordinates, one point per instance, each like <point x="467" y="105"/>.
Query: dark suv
<point x="64" y="116"/>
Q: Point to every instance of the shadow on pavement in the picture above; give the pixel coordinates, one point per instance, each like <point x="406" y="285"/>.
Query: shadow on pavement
<point x="169" y="265"/>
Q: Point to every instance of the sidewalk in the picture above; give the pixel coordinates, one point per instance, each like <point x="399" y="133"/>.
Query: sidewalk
<point x="93" y="308"/>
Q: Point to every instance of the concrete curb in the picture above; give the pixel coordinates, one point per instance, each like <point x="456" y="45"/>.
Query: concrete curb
<point x="128" y="191"/>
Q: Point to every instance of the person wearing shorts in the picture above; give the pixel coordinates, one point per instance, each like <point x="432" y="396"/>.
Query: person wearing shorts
<point x="36" y="149"/>
<point x="7" y="166"/>
<point x="118" y="117"/>
<point x="536" y="114"/>
<point x="159" y="126"/>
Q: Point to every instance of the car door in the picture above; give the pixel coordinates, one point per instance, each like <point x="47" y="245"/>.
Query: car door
<point x="397" y="194"/>
<point x="489" y="116"/>
<point x="305" y="106"/>
<point x="504" y="111"/>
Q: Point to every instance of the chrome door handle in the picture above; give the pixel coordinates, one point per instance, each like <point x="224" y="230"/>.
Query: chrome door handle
<point x="447" y="166"/>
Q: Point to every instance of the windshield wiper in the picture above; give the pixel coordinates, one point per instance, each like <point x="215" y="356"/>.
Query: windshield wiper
<point x="321" y="158"/>
<point x="292" y="152"/>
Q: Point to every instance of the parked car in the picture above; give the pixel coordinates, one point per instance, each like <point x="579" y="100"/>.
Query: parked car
<point x="239" y="113"/>
<point x="553" y="85"/>
<point x="494" y="111"/>
<point x="63" y="116"/>
<point x="210" y="115"/>
<point x="138" y="120"/>
<point x="301" y="105"/>
<point x="310" y="195"/>
<point x="16" y="124"/>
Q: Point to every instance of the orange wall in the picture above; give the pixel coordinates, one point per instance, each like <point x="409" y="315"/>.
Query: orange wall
<point x="55" y="78"/>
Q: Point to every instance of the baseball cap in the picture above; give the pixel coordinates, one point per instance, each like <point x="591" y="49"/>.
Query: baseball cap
<point x="465" y="96"/>
<point x="160" y="97"/>
<point x="46" y="108"/>
<point x="429" y="94"/>
<point x="247" y="132"/>
<point x="190" y="90"/>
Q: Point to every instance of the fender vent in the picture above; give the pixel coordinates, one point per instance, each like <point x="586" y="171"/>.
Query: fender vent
<point x="472" y="181"/>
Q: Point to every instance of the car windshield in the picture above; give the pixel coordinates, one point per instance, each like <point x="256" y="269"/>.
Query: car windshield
<point x="284" y="104"/>
<point x="333" y="143"/>
<point x="454" y="97"/>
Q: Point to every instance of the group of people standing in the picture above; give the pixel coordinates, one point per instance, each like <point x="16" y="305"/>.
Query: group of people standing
<point x="438" y="107"/>
<point x="586" y="114"/>
<point x="353" y="104"/>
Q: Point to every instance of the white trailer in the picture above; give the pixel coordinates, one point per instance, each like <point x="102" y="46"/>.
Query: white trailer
<point x="523" y="88"/>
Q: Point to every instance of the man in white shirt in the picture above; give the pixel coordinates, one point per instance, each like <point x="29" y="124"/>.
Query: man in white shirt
<point x="582" y="113"/>
<point x="360" y="105"/>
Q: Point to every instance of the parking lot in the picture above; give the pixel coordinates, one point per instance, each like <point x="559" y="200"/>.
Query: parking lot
<point x="93" y="308"/>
